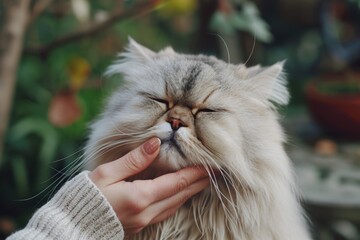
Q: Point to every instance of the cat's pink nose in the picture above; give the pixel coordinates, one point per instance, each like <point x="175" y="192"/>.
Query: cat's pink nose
<point x="175" y="123"/>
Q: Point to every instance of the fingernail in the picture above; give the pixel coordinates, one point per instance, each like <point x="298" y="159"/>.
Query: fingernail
<point x="152" y="145"/>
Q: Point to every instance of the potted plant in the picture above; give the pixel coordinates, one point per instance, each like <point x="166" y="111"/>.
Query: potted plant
<point x="334" y="97"/>
<point x="334" y="103"/>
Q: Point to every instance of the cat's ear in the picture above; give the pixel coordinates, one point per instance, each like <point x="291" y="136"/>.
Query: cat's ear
<point x="252" y="71"/>
<point x="129" y="60"/>
<point x="168" y="51"/>
<point x="137" y="52"/>
<point x="268" y="83"/>
<point x="244" y="73"/>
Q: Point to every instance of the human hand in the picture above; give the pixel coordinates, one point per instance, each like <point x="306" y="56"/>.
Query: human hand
<point x="144" y="202"/>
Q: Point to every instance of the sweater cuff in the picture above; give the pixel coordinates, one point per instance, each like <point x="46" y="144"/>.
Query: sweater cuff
<point x="77" y="211"/>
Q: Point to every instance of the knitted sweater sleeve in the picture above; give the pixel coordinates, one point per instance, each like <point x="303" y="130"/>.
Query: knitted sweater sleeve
<point x="77" y="211"/>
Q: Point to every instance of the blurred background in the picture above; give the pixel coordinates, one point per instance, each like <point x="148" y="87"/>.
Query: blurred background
<point x="53" y="55"/>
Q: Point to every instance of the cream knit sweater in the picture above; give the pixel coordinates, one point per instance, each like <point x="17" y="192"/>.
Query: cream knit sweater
<point x="77" y="211"/>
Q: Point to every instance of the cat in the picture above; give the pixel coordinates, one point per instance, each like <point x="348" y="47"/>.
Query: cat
<point x="211" y="113"/>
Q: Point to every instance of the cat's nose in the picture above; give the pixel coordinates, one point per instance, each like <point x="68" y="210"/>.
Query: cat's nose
<point x="175" y="123"/>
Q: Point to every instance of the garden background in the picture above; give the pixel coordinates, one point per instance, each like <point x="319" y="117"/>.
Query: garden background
<point x="53" y="55"/>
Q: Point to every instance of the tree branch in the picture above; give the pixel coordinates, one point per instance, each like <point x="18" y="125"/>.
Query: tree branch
<point x="38" y="8"/>
<point x="92" y="28"/>
<point x="11" y="44"/>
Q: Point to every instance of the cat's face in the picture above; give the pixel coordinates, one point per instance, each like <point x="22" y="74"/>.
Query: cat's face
<point x="205" y="111"/>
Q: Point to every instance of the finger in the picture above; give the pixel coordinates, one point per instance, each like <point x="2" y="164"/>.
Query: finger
<point x="167" y="207"/>
<point x="132" y="163"/>
<point x="173" y="183"/>
<point x="130" y="231"/>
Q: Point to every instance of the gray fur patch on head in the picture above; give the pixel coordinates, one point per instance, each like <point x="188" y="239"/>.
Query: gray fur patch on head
<point x="190" y="80"/>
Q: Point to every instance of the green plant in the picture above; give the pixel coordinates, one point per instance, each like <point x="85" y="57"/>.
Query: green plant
<point x="340" y="88"/>
<point x="240" y="15"/>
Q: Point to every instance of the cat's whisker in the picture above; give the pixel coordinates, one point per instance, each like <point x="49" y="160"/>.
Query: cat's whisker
<point x="210" y="157"/>
<point x="68" y="174"/>
<point x="130" y="132"/>
<point x="134" y="134"/>
<point x="69" y="156"/>
<point x="134" y="138"/>
<point x="58" y="178"/>
<point x="252" y="50"/>
<point x="229" y="199"/>
<point x="245" y="192"/>
<point x="203" y="160"/>
<point x="226" y="46"/>
<point x="107" y="146"/>
<point x="207" y="158"/>
<point x="69" y="169"/>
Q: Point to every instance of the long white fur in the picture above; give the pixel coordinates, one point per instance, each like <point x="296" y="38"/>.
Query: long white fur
<point x="255" y="198"/>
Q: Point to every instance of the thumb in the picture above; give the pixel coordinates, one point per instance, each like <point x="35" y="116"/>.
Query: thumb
<point x="140" y="158"/>
<point x="132" y="163"/>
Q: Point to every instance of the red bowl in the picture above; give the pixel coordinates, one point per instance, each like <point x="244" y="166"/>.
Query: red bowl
<point x="337" y="114"/>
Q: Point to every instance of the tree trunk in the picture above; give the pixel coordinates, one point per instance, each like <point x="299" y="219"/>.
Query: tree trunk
<point x="11" y="43"/>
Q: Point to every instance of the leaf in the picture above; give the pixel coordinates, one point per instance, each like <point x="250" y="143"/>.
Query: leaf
<point x="250" y="9"/>
<point x="20" y="175"/>
<point x="79" y="71"/>
<point x="49" y="145"/>
<point x="29" y="71"/>
<point x="81" y="10"/>
<point x="247" y="20"/>
<point x="221" y="23"/>
<point x="171" y="8"/>
<point x="64" y="109"/>
<point x="256" y="25"/>
<point x="240" y="21"/>
<point x="260" y="30"/>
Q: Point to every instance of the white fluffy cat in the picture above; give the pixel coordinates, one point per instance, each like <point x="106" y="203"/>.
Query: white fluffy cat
<point x="211" y="113"/>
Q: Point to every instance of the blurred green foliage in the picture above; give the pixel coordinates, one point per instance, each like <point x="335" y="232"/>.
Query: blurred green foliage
<point x="248" y="19"/>
<point x="340" y="88"/>
<point x="38" y="150"/>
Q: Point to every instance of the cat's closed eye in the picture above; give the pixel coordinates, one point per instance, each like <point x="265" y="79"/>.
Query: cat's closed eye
<point x="206" y="110"/>
<point x="161" y="101"/>
<point x="203" y="110"/>
<point x="164" y="104"/>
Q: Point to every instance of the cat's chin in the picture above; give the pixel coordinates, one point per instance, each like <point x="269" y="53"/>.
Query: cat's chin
<point x="171" y="158"/>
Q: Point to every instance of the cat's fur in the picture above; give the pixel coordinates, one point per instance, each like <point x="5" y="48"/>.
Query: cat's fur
<point x="229" y="123"/>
